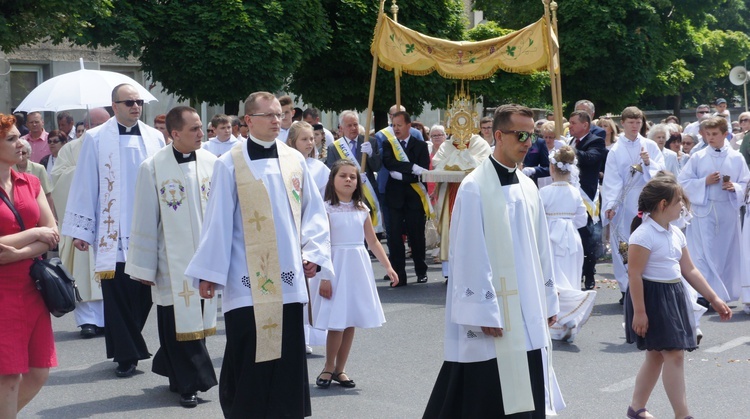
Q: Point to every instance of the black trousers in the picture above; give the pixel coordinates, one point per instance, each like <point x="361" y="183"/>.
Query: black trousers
<point x="186" y="363"/>
<point x="591" y="240"/>
<point x="271" y="389"/>
<point x="126" y="307"/>
<point x="411" y="221"/>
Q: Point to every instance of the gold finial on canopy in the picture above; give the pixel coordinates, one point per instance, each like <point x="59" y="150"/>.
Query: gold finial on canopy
<point x="462" y="119"/>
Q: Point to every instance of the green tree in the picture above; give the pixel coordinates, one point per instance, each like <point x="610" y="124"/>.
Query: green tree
<point x="339" y="77"/>
<point x="217" y="51"/>
<point x="529" y="89"/>
<point x="26" y="22"/>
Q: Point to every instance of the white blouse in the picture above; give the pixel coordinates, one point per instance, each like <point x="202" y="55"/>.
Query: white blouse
<point x="666" y="250"/>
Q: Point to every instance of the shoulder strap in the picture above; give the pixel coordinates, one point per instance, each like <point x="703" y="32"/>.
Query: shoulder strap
<point x="5" y="199"/>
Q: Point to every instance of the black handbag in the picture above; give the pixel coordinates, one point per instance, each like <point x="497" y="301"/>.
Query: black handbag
<point x="54" y="282"/>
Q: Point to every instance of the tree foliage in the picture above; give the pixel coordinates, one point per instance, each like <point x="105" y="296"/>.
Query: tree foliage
<point x="26" y="22"/>
<point x="338" y="78"/>
<point x="217" y="51"/>
<point x="622" y="52"/>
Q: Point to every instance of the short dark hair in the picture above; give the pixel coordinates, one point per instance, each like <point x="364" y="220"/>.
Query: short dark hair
<point x="583" y="116"/>
<point x="66" y="116"/>
<point x="219" y="119"/>
<point x="631" y="112"/>
<point x="56" y="133"/>
<point x="485" y="120"/>
<point x="403" y="114"/>
<point x="503" y="113"/>
<point x="311" y="112"/>
<point x="285" y="100"/>
<point x="174" y="119"/>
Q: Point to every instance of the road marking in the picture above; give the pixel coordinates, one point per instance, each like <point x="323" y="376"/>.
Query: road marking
<point x="729" y="345"/>
<point x="620" y="386"/>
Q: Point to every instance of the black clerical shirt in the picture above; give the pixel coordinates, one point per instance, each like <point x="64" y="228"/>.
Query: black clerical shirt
<point x="134" y="130"/>
<point x="506" y="177"/>
<point x="258" y="152"/>
<point x="183" y="158"/>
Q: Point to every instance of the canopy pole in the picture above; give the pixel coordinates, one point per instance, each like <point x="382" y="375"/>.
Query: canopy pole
<point x="558" y="77"/>
<point x="396" y="71"/>
<point x="557" y="106"/>
<point x="371" y="98"/>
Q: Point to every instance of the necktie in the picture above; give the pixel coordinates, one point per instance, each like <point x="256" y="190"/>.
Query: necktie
<point x="403" y="144"/>
<point x="353" y="146"/>
<point x="578" y="141"/>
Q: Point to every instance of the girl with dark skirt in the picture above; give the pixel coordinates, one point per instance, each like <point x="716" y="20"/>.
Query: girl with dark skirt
<point x="657" y="316"/>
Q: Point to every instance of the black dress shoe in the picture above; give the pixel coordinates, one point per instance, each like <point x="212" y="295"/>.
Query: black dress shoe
<point x="622" y="299"/>
<point x="589" y="283"/>
<point x="125" y="370"/>
<point x="343" y="383"/>
<point x="322" y="382"/>
<point x="422" y="279"/>
<point x="88" y="331"/>
<point x="188" y="399"/>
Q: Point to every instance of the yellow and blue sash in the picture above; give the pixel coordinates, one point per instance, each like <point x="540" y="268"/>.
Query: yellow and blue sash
<point x="419" y="187"/>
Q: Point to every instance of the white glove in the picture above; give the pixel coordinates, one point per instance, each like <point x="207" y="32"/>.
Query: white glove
<point x="397" y="175"/>
<point x="417" y="170"/>
<point x="363" y="178"/>
<point x="528" y="171"/>
<point x="366" y="148"/>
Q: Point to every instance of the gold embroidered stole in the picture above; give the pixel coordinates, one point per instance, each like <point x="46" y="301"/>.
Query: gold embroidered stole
<point x="512" y="361"/>
<point x="195" y="318"/>
<point x="261" y="246"/>
<point x="419" y="187"/>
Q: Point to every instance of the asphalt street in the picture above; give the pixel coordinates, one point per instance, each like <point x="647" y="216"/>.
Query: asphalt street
<point x="395" y="367"/>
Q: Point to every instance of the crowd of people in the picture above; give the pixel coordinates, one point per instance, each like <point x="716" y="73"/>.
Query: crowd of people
<point x="282" y="217"/>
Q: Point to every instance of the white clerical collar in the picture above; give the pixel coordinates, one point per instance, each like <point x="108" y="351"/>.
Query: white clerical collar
<point x="509" y="169"/>
<point x="127" y="129"/>
<point x="264" y="144"/>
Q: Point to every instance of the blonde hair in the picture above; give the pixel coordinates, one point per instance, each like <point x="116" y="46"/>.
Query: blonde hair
<point x="294" y="133"/>
<point x="563" y="159"/>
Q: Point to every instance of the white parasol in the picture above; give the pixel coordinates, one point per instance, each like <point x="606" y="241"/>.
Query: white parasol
<point x="82" y="89"/>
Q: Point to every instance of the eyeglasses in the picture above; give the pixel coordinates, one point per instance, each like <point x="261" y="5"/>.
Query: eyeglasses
<point x="437" y="135"/>
<point x="54" y="141"/>
<point x="243" y="125"/>
<point x="130" y="102"/>
<point x="523" y="136"/>
<point x="269" y="115"/>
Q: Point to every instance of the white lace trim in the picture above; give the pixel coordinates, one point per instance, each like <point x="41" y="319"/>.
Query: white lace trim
<point x="342" y="207"/>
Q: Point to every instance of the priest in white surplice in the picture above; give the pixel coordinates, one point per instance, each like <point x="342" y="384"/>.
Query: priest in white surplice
<point x="171" y="195"/>
<point x="99" y="212"/>
<point x="714" y="180"/>
<point x="501" y="294"/>
<point x="266" y="230"/>
<point x="89" y="312"/>
<point x="631" y="162"/>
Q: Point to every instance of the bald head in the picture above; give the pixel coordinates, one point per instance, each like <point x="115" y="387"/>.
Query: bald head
<point x="98" y="116"/>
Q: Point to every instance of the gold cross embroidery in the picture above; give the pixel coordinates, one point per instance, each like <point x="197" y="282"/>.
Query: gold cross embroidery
<point x="257" y="220"/>
<point x="109" y="223"/>
<point x="270" y="326"/>
<point x="186" y="293"/>
<point x="504" y="293"/>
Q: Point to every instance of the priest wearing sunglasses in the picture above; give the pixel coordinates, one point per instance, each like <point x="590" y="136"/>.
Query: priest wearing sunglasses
<point x="501" y="290"/>
<point x="99" y="212"/>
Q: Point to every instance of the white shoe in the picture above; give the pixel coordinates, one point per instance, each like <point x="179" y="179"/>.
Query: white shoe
<point x="308" y="349"/>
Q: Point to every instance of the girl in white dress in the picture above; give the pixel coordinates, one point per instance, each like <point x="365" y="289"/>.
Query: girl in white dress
<point x="566" y="213"/>
<point x="351" y="298"/>
<point x="300" y="138"/>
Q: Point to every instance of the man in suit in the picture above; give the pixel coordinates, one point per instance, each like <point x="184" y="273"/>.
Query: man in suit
<point x="588" y="107"/>
<point x="406" y="158"/>
<point x="349" y="130"/>
<point x="536" y="162"/>
<point x="591" y="153"/>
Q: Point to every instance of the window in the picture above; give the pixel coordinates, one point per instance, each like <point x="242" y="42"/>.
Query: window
<point x="23" y="79"/>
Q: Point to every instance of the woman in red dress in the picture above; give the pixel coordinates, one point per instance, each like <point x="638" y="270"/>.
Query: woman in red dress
<point x="27" y="349"/>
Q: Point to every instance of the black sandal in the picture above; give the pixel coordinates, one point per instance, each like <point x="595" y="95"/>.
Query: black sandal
<point x="323" y="383"/>
<point x="343" y="383"/>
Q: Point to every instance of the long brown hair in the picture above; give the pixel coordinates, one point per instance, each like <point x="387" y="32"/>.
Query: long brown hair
<point x="330" y="192"/>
